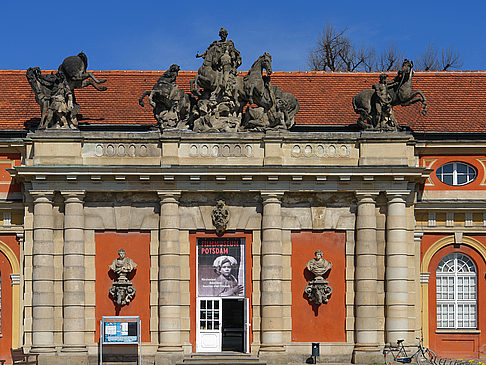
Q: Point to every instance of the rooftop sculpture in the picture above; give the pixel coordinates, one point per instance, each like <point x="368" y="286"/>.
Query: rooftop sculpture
<point x="223" y="101"/>
<point x="375" y="106"/>
<point x="55" y="92"/>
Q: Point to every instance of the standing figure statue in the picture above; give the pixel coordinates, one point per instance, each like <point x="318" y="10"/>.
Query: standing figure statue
<point x="216" y="87"/>
<point x="221" y="60"/>
<point x="317" y="289"/>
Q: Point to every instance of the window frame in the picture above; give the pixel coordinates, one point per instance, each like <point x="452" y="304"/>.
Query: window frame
<point x="454" y="302"/>
<point x="440" y="175"/>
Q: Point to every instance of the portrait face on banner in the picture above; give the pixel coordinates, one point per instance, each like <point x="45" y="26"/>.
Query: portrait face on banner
<point x="221" y="266"/>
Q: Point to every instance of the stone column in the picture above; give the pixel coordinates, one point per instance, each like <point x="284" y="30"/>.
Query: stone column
<point x="73" y="299"/>
<point x="43" y="273"/>
<point x="169" y="274"/>
<point x="396" y="274"/>
<point x="366" y="348"/>
<point x="271" y="274"/>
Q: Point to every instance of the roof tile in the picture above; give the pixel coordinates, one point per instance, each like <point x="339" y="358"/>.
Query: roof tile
<point x="456" y="100"/>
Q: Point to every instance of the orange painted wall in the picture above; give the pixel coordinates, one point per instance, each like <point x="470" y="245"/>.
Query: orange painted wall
<point x="192" y="287"/>
<point x="326" y="322"/>
<point x="434" y="162"/>
<point x="6" y="317"/>
<point x="7" y="161"/>
<point x="137" y="246"/>
<point x="455" y="345"/>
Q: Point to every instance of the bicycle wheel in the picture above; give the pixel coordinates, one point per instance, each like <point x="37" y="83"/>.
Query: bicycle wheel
<point x="389" y="356"/>
<point x="425" y="357"/>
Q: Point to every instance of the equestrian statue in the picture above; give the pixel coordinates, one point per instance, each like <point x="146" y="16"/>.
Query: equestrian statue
<point x="55" y="92"/>
<point x="375" y="106"/>
<point x="172" y="107"/>
<point x="222" y="100"/>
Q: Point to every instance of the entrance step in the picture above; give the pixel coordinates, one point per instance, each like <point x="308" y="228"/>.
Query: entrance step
<point x="218" y="358"/>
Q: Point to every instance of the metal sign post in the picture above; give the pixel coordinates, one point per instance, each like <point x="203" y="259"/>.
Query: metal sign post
<point x="120" y="330"/>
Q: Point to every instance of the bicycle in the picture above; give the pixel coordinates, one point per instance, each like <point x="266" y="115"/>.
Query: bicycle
<point x="399" y="354"/>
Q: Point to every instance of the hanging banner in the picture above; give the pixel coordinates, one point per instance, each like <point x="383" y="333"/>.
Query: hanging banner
<point x="221" y="266"/>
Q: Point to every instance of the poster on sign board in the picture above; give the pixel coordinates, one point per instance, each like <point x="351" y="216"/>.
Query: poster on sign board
<point x="221" y="266"/>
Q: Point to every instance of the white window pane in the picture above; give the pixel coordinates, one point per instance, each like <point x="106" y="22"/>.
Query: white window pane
<point x="456" y="292"/>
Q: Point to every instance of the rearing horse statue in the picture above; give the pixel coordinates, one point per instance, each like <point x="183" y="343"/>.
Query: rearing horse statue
<point x="403" y="94"/>
<point x="254" y="89"/>
<point x="369" y="104"/>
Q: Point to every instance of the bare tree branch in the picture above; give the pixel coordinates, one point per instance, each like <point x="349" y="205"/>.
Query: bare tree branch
<point x="450" y="58"/>
<point x="335" y="51"/>
<point x="390" y="59"/>
<point x="429" y="60"/>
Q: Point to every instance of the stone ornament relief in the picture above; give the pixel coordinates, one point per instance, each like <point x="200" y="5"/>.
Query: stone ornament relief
<point x="122" y="290"/>
<point x="220" y="217"/>
<point x="318" y="290"/>
<point x="221" y="150"/>
<point x="321" y="150"/>
<point x="121" y="149"/>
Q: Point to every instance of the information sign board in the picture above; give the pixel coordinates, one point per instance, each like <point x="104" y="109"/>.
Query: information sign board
<point x="120" y="330"/>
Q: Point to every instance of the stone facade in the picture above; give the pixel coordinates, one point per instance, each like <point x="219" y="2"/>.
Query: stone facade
<point x="78" y="183"/>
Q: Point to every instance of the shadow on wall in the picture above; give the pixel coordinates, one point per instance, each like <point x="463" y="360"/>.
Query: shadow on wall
<point x="308" y="277"/>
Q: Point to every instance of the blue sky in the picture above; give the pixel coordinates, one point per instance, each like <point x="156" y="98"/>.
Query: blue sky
<point x="151" y="35"/>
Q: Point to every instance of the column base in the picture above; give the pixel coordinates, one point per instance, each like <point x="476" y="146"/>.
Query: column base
<point x="170" y="348"/>
<point x="43" y="349"/>
<point x="74" y="348"/>
<point x="64" y="359"/>
<point x="274" y="357"/>
<point x="272" y="347"/>
<point x="168" y="358"/>
<point x="365" y="353"/>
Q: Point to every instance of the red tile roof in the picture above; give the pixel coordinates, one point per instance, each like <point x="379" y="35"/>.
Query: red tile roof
<point x="456" y="100"/>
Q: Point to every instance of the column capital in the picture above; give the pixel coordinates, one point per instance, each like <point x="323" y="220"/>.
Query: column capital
<point x="75" y="195"/>
<point x="366" y="195"/>
<point x="271" y="196"/>
<point x="169" y="196"/>
<point x="403" y="194"/>
<point x="15" y="279"/>
<point x="417" y="236"/>
<point x="424" y="277"/>
<point x="42" y="195"/>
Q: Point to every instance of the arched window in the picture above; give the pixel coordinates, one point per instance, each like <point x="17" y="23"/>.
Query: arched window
<point x="456" y="292"/>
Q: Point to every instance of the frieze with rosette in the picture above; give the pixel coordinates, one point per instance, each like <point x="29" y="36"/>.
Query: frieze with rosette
<point x="325" y="150"/>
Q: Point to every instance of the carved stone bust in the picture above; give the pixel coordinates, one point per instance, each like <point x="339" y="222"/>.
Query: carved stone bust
<point x="317" y="290"/>
<point x="318" y="265"/>
<point x="122" y="290"/>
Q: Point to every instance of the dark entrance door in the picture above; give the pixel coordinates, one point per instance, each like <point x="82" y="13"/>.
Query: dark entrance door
<point x="233" y="325"/>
